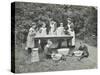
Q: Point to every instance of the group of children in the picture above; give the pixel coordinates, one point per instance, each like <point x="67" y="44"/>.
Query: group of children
<point x="47" y="45"/>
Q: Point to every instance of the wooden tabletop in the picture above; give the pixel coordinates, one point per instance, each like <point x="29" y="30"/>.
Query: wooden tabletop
<point x="53" y="36"/>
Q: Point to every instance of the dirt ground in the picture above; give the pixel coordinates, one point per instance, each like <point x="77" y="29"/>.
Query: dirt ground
<point x="71" y="63"/>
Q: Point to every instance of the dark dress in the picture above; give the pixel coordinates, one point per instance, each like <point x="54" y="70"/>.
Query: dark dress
<point x="85" y="51"/>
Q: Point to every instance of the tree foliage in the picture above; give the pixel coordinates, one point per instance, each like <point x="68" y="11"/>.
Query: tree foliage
<point x="83" y="17"/>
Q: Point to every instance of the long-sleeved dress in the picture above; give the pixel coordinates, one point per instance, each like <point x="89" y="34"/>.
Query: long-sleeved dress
<point x="85" y="50"/>
<point x="30" y="38"/>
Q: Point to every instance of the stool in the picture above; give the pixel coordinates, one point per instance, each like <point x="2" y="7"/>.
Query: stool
<point x="35" y="55"/>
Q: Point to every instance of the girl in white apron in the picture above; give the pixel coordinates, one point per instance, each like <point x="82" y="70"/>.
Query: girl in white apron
<point x="70" y="26"/>
<point x="72" y="33"/>
<point x="52" y="28"/>
<point x="30" y="42"/>
<point x="60" y="30"/>
<point x="30" y="37"/>
<point x="43" y="30"/>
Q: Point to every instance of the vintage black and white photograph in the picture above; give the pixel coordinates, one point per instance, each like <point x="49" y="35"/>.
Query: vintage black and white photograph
<point x="54" y="37"/>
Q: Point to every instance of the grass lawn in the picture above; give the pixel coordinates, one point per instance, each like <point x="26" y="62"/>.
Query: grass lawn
<point x="45" y="65"/>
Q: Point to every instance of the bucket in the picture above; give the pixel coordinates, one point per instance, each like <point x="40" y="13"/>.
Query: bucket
<point x="63" y="51"/>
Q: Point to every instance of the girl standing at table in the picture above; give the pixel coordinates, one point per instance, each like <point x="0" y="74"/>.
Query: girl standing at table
<point x="42" y="32"/>
<point x="30" y="41"/>
<point x="60" y="29"/>
<point x="30" y="38"/>
<point x="72" y="33"/>
<point x="70" y="24"/>
<point x="53" y="26"/>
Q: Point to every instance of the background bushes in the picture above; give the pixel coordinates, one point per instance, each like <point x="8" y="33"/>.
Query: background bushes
<point x="83" y="17"/>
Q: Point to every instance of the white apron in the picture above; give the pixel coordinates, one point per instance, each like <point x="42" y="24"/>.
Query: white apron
<point x="43" y="31"/>
<point x="60" y="31"/>
<point x="72" y="33"/>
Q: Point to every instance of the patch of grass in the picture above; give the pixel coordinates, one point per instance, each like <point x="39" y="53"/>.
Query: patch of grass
<point x="45" y="65"/>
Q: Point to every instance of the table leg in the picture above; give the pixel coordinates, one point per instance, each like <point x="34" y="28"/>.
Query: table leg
<point x="69" y="43"/>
